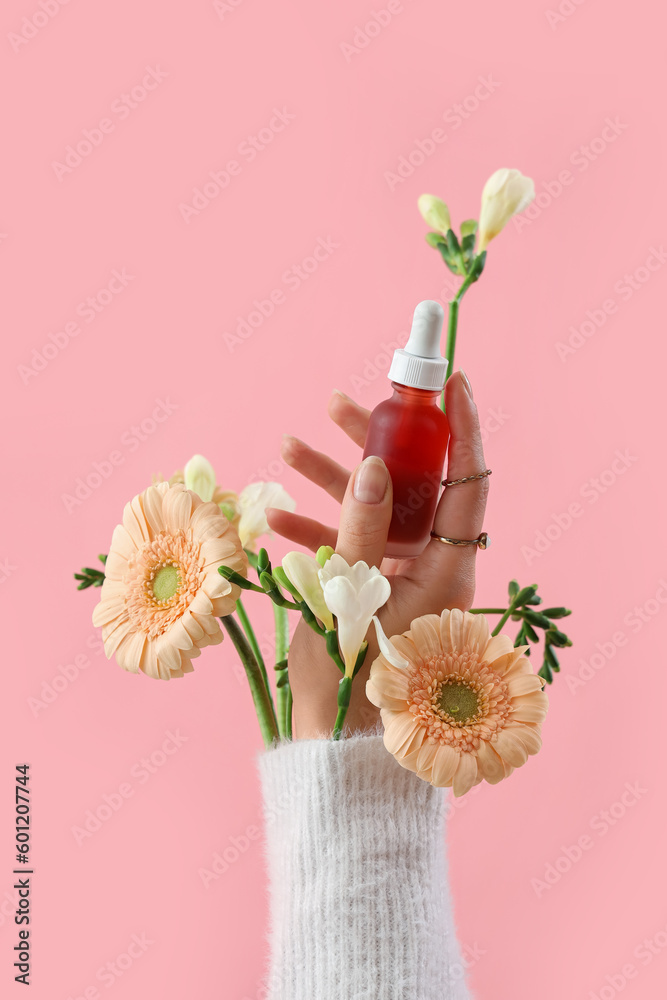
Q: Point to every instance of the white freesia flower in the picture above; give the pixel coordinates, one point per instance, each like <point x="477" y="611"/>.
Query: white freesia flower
<point x="506" y="193"/>
<point x="302" y="571"/>
<point x="434" y="212"/>
<point x="353" y="594"/>
<point x="199" y="477"/>
<point x="253" y="501"/>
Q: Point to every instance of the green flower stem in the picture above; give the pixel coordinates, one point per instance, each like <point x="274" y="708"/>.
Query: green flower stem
<point x="288" y="713"/>
<point x="252" y="639"/>
<point x="453" y="322"/>
<point x="503" y="619"/>
<point x="344" y="691"/>
<point x="258" y="689"/>
<point x="283" y="693"/>
<point x="488" y="611"/>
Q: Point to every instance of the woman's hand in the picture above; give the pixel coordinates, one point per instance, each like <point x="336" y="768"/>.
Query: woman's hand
<point x="443" y="576"/>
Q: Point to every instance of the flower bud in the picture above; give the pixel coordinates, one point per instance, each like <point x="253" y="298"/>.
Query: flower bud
<point x="506" y="193"/>
<point x="434" y="212"/>
<point x="200" y="477"/>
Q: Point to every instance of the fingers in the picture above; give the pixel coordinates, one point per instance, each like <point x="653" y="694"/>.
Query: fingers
<point x="460" y="512"/>
<point x="349" y="416"/>
<point x="316" y="466"/>
<point x="366" y="513"/>
<point x="299" y="529"/>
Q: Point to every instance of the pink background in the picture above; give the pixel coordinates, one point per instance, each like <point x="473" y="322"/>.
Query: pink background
<point x="553" y="428"/>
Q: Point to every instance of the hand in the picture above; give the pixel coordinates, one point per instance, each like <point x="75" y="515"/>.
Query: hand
<point x="443" y="576"/>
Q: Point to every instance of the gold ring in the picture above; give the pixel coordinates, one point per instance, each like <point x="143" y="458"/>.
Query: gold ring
<point x="482" y="541"/>
<point x="466" y="479"/>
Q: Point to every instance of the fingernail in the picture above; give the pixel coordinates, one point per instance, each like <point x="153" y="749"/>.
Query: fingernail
<point x="466" y="382"/>
<point x="342" y="394"/>
<point x="370" y="482"/>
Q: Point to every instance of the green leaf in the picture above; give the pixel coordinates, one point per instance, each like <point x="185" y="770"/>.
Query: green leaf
<point x="103" y="559"/>
<point x="469" y="227"/>
<point x="557" y="612"/>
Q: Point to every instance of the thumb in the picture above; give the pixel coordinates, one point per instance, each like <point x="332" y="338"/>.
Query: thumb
<point x="366" y="513"/>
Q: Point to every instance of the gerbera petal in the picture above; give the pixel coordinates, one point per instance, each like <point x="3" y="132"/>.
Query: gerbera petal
<point x="400" y="729"/>
<point x="465" y="775"/>
<point x="445" y="765"/>
<point x="130" y="651"/>
<point x="108" y="610"/>
<point x="135" y="523"/>
<point x="529" y="737"/>
<point x="524" y="684"/>
<point x="391" y="684"/>
<point x="152" y="508"/>
<point x="176" y="509"/>
<point x="489" y="763"/>
<point x="510" y="749"/>
<point x="497" y="646"/>
<point x="427" y="754"/>
<point x="425" y="633"/>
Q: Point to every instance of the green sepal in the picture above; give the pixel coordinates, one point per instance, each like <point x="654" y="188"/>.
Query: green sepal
<point x="281" y="665"/>
<point x="280" y="575"/>
<point x="361" y="656"/>
<point x="282" y="681"/>
<point x="435" y="239"/>
<point x="344" y="691"/>
<point x="512" y="589"/>
<point x="453" y="243"/>
<point x="478" y="265"/>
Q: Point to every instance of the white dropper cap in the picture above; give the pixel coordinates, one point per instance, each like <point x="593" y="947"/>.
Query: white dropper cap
<point x="419" y="364"/>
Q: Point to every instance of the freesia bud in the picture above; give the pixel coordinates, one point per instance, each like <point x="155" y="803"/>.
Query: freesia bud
<point x="323" y="553"/>
<point x="506" y="193"/>
<point x="302" y="572"/>
<point x="434" y="212"/>
<point x="200" y="477"/>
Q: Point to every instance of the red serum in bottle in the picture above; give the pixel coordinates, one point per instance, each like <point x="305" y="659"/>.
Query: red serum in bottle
<point x="410" y="433"/>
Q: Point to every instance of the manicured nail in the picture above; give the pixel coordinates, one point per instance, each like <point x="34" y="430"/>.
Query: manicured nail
<point x="370" y="482"/>
<point x="344" y="395"/>
<point x="466" y="382"/>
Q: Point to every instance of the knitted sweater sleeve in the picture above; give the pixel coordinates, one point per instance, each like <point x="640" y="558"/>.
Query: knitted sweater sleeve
<point x="359" y="901"/>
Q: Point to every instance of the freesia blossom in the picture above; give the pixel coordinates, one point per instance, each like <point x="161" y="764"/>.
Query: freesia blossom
<point x="434" y="212"/>
<point x="302" y="571"/>
<point x="199" y="477"/>
<point x="253" y="501"/>
<point x="506" y="193"/>
<point x="162" y="594"/>
<point x="353" y="594"/>
<point x="458" y="705"/>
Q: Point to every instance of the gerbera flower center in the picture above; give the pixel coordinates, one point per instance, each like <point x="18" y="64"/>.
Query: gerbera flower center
<point x="166" y="582"/>
<point x="459" y="701"/>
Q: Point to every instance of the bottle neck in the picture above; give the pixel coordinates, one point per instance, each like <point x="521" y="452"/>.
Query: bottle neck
<point x="415" y="397"/>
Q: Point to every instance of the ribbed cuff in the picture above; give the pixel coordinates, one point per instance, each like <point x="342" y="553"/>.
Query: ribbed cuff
<point x="359" y="897"/>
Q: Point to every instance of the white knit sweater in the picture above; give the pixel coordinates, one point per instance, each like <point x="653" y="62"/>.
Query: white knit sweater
<point x="360" y="907"/>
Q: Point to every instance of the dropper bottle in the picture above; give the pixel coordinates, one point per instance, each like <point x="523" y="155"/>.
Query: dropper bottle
<point x="410" y="433"/>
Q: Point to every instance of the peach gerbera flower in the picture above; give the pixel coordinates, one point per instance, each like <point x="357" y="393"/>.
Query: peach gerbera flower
<point x="458" y="705"/>
<point x="162" y="593"/>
